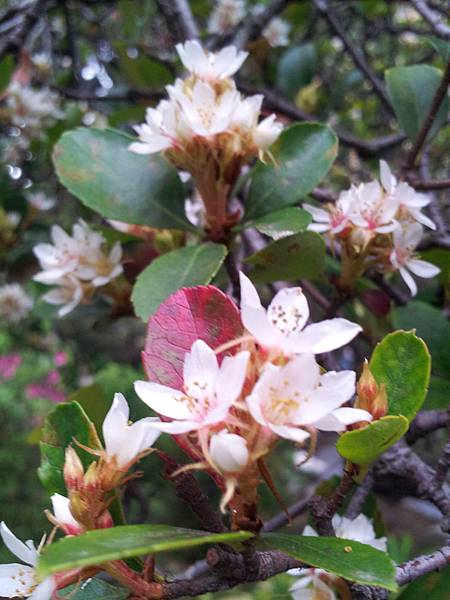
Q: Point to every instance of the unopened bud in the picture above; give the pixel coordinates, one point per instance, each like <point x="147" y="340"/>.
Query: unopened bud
<point x="371" y="396"/>
<point x="229" y="452"/>
<point x="73" y="470"/>
<point x="105" y="521"/>
<point x="91" y="479"/>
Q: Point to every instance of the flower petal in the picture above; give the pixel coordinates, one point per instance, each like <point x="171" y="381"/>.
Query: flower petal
<point x="16" y="580"/>
<point x="422" y="268"/>
<point x="323" y="336"/>
<point x="340" y="418"/>
<point x="44" y="590"/>
<point x="231" y="377"/>
<point x="409" y="280"/>
<point x="17" y="547"/>
<point x="289" y="311"/>
<point x="200" y="371"/>
<point x="290" y="433"/>
<point x="163" y="400"/>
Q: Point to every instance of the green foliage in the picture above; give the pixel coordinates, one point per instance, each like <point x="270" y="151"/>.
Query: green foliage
<point x="94" y="589"/>
<point x="411" y="90"/>
<point x="348" y="559"/>
<point x="282" y="223"/>
<point x="66" y="423"/>
<point x="302" y="156"/>
<point x="296" y="69"/>
<point x="363" y="446"/>
<point x="433" y="586"/>
<point x="402" y="362"/>
<point x="185" y="267"/>
<point x="97" y="167"/>
<point x="96" y="547"/>
<point x="291" y="258"/>
<point x="6" y="70"/>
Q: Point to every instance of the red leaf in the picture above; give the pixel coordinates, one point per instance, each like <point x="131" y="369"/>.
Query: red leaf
<point x="377" y="301"/>
<point x="201" y="312"/>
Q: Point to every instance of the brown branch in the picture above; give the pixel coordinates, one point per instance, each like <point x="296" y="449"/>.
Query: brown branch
<point x="426" y="422"/>
<point x="268" y="565"/>
<point x="439" y="28"/>
<point x="400" y="469"/>
<point x="130" y="95"/>
<point x="429" y="184"/>
<point x="277" y="103"/>
<point x="283" y="519"/>
<point x="438" y="98"/>
<point x="187" y="488"/>
<point x="335" y="25"/>
<point x="422" y="565"/>
<point x="356" y="503"/>
<point x="179" y="19"/>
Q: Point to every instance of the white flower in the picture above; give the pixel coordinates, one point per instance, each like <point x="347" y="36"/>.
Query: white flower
<point x="210" y="65"/>
<point x="372" y="209"/>
<point x="276" y="32"/>
<point x="205" y="111"/>
<point x="226" y="15"/>
<point x="72" y="261"/>
<point x="57" y="259"/>
<point x="31" y="107"/>
<point x="403" y="257"/>
<point x="310" y="586"/>
<point x="228" y="451"/>
<point x="336" y="219"/>
<point x="267" y="132"/>
<point x="15" y="304"/>
<point x="63" y="516"/>
<point x="282" y="325"/>
<point x="161" y="129"/>
<point x="295" y="395"/>
<point x="209" y="390"/>
<point x="18" y="580"/>
<point x="123" y="442"/>
<point x="409" y="201"/>
<point x="68" y="295"/>
<point x="359" y="529"/>
<point x="40" y="201"/>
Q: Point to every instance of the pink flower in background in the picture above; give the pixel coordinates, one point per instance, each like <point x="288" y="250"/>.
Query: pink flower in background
<point x="47" y="388"/>
<point x="61" y="358"/>
<point x="9" y="363"/>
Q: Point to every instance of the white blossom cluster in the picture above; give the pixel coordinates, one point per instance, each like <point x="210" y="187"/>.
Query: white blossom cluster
<point x="76" y="264"/>
<point x="382" y="219"/>
<point x="205" y="115"/>
<point x="273" y="389"/>
<point x="227" y="14"/>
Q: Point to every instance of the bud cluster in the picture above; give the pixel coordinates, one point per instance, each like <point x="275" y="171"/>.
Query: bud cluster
<point x="206" y="127"/>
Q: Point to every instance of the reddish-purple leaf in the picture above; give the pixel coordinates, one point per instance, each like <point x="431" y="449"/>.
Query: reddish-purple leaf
<point x="376" y="301"/>
<point x="201" y="312"/>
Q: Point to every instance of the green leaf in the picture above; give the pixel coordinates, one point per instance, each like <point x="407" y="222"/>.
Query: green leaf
<point x="94" y="589"/>
<point x="295" y="69"/>
<point x="6" y="70"/>
<point x="402" y="362"/>
<point x="303" y="155"/>
<point x="97" y="167"/>
<point x="96" y="547"/>
<point x="346" y="558"/>
<point x="143" y="72"/>
<point x="292" y="257"/>
<point x="65" y="423"/>
<point x="438" y="394"/>
<point x="431" y="325"/>
<point x="363" y="446"/>
<point x="442" y="48"/>
<point x="434" y="586"/>
<point x="94" y="402"/>
<point x="411" y="90"/>
<point x="282" y="223"/>
<point x="184" y="267"/>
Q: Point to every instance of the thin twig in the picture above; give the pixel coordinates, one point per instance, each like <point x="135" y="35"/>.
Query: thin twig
<point x="439" y="28"/>
<point x="421" y="565"/>
<point x="356" y="503"/>
<point x="425" y="423"/>
<point x="438" y="98"/>
<point x="335" y="25"/>
<point x="179" y="19"/>
<point x="366" y="148"/>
